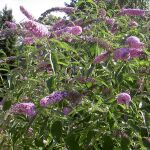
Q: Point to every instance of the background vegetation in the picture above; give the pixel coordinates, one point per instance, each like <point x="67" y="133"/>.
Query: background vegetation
<point x="93" y="120"/>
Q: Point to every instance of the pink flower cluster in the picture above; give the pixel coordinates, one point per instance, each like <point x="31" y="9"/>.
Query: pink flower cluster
<point x="101" y="57"/>
<point x="134" y="46"/>
<point x="134" y="49"/>
<point x="37" y="29"/>
<point x="75" y="30"/>
<point x="123" y="98"/>
<point x="54" y="97"/>
<point x="27" y="109"/>
<point x="132" y="12"/>
<point x="11" y="25"/>
<point x="26" y="13"/>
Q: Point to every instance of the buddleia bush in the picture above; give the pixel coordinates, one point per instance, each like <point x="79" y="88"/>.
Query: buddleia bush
<point x="81" y="82"/>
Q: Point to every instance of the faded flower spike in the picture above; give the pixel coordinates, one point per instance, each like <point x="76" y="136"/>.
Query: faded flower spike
<point x="101" y="57"/>
<point x="26" y="13"/>
<point x="123" y="98"/>
<point x="132" y="12"/>
<point x="75" y="30"/>
<point x="37" y="29"/>
<point x="121" y="54"/>
<point x="55" y="97"/>
<point x="27" y="109"/>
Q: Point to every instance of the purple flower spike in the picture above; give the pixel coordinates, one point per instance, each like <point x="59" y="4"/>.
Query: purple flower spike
<point x="55" y="97"/>
<point x="37" y="29"/>
<point x="123" y="98"/>
<point x="75" y="30"/>
<point x="101" y="57"/>
<point x="27" y="109"/>
<point x="26" y="13"/>
<point x="132" y="12"/>
<point x="121" y="54"/>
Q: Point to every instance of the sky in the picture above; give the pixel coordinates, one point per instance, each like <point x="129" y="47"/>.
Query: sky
<point x="35" y="7"/>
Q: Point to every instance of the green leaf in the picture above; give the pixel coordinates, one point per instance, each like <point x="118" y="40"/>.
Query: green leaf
<point x="90" y="135"/>
<point x="125" y="143"/>
<point x="108" y="143"/>
<point x="144" y="132"/>
<point x="146" y="142"/>
<point x="63" y="45"/>
<point x="56" y="130"/>
<point x="51" y="84"/>
<point x="39" y="142"/>
<point x="54" y="61"/>
<point x="72" y="142"/>
<point x="6" y="105"/>
<point x="110" y="119"/>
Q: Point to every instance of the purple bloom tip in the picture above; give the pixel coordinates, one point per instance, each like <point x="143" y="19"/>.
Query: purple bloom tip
<point x="123" y="98"/>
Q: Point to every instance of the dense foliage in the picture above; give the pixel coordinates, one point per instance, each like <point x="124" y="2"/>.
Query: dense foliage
<point x="81" y="82"/>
